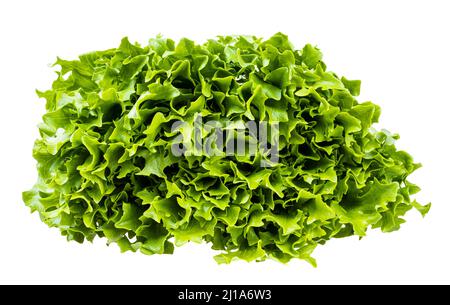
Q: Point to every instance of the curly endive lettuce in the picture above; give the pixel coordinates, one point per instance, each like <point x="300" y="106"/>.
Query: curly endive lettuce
<point x="106" y="168"/>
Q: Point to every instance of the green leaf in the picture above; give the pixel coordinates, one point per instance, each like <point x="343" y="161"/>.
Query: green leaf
<point x="130" y="218"/>
<point x="354" y="86"/>
<point x="311" y="56"/>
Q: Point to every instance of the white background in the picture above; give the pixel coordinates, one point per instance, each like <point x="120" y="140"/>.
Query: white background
<point x="400" y="50"/>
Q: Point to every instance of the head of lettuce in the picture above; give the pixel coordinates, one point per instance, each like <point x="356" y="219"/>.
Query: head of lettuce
<point x="247" y="144"/>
